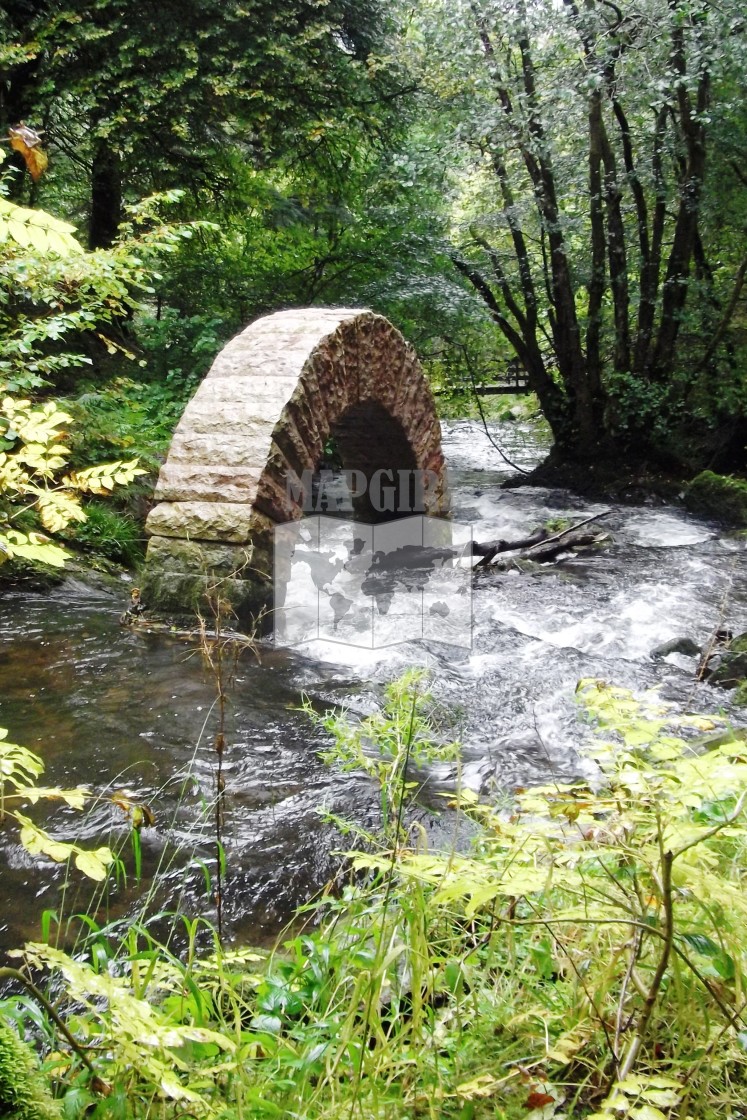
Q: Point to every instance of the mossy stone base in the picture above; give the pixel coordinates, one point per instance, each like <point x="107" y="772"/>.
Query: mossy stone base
<point x="186" y="578"/>
<point x="720" y="496"/>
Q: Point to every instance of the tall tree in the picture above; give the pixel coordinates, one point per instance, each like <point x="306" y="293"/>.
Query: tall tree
<point x="591" y="137"/>
<point x="146" y="94"/>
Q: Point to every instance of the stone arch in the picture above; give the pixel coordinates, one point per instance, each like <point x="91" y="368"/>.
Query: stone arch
<point x="265" y="412"/>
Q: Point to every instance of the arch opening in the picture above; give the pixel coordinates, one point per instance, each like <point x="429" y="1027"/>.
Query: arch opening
<point x="369" y="471"/>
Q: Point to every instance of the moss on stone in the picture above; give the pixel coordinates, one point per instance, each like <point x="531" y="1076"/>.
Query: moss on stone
<point x="718" y="495"/>
<point x="23" y="1092"/>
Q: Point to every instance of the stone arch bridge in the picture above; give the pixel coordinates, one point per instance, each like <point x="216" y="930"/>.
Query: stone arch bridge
<point x="265" y="414"/>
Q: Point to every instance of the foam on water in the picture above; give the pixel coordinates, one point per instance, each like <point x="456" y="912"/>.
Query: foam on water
<point x="654" y="529"/>
<point x="112" y="707"/>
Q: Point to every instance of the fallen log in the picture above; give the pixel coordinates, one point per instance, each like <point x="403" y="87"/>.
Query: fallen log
<point x="545" y="551"/>
<point x="538" y="540"/>
<point x="492" y="548"/>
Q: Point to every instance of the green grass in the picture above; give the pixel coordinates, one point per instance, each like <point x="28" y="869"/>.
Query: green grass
<point x="109" y="532"/>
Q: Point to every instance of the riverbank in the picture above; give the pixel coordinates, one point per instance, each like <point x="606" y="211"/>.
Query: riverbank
<point x="722" y="497"/>
<point x="580" y="961"/>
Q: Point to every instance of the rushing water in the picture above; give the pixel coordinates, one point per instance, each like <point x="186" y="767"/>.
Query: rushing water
<point x="129" y="711"/>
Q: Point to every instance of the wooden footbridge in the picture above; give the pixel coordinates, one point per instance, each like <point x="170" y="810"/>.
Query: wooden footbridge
<point x="515" y="388"/>
<point x="513" y="380"/>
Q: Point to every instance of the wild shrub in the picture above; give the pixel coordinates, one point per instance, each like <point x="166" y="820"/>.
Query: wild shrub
<point x="586" y="958"/>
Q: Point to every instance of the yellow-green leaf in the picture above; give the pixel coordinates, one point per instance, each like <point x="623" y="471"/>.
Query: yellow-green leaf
<point x="38" y="843"/>
<point x="94" y="864"/>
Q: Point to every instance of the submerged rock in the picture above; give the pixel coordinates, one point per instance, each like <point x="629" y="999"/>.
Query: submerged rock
<point x="682" y="645"/>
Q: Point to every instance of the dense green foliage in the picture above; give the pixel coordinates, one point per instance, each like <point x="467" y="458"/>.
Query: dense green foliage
<point x="719" y="496"/>
<point x="52" y="291"/>
<point x="584" y="957"/>
<point x="555" y="185"/>
<point x="148" y="97"/>
<point x="602" y="206"/>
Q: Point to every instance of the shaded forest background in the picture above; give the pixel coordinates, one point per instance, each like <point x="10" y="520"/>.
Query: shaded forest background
<point x="560" y="185"/>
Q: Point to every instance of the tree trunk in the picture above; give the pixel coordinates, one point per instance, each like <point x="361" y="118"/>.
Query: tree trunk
<point x="675" y="289"/>
<point x="106" y="198"/>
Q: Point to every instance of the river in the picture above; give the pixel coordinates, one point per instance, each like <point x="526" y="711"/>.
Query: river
<point x="122" y="710"/>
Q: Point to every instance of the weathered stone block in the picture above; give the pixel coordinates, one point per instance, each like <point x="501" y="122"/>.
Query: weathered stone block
<point x="199" y="482"/>
<point x="201" y="521"/>
<point x="198" y="557"/>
